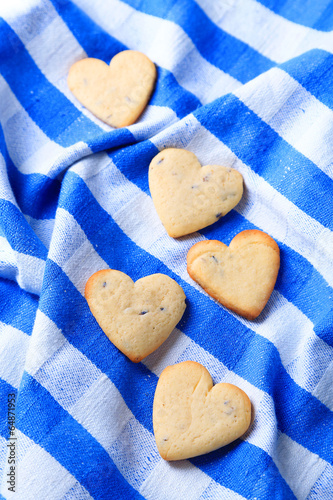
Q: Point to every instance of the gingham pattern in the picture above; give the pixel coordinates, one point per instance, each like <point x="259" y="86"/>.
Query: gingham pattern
<point x="245" y="83"/>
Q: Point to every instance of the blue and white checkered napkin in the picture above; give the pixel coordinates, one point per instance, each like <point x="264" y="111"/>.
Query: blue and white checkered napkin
<point x="244" y="83"/>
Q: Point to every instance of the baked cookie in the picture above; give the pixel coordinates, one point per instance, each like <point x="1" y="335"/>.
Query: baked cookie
<point x="241" y="276"/>
<point x="136" y="317"/>
<point x="192" y="417"/>
<point x="117" y="94"/>
<point x="189" y="197"/>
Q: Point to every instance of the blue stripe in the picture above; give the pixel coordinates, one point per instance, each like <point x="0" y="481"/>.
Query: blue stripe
<point x="314" y="71"/>
<point x="229" y="464"/>
<point x="316" y="14"/>
<point x="270" y="156"/>
<point x="92" y="38"/>
<point x="44" y="421"/>
<point x="18" y="232"/>
<point x="97" y="43"/>
<point x="36" y="194"/>
<point x="75" y="318"/>
<point x="236" y="346"/>
<point x="218" y="47"/>
<point x="307" y="290"/>
<point x="18" y="307"/>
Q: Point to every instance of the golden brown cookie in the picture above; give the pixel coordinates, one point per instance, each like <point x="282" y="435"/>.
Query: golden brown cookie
<point x="192" y="417"/>
<point x="137" y="317"/>
<point x="117" y="93"/>
<point x="189" y="197"/>
<point x="241" y="276"/>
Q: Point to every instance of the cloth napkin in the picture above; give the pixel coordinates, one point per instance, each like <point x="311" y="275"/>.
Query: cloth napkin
<point x="243" y="83"/>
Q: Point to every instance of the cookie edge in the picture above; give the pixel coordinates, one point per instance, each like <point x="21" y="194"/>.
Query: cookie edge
<point x="248" y="236"/>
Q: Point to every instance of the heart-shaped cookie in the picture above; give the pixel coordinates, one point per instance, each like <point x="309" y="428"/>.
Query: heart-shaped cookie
<point x="192" y="417"/>
<point x="136" y="317"/>
<point x="189" y="197"/>
<point x="241" y="276"/>
<point x="117" y="94"/>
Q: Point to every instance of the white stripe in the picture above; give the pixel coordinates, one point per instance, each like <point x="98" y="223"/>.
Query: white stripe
<point x="134" y="453"/>
<point x="261" y="204"/>
<point x="290" y="459"/>
<point x="16" y="10"/>
<point x="152" y="120"/>
<point x="26" y="270"/>
<point x="168" y="353"/>
<point x="14" y="346"/>
<point x="78" y="492"/>
<point x="30" y="272"/>
<point x="270" y="34"/>
<point x="295" y="114"/>
<point x="109" y="408"/>
<point x="165" y="43"/>
<point x="42" y="227"/>
<point x="215" y="491"/>
<point x="29" y="148"/>
<point x="323" y="488"/>
<point x="8" y="263"/>
<point x="3" y="453"/>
